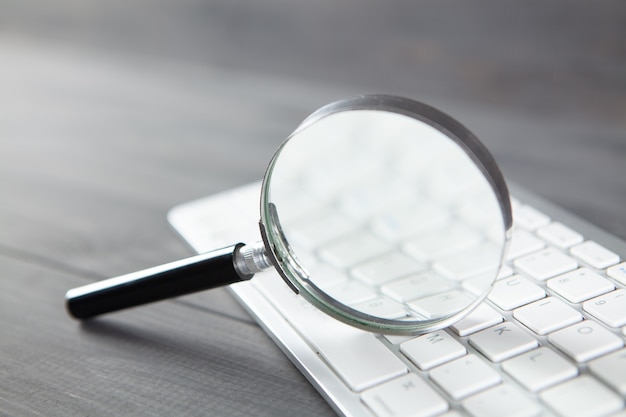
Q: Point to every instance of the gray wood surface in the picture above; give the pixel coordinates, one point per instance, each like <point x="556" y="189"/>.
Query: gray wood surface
<point x="113" y="112"/>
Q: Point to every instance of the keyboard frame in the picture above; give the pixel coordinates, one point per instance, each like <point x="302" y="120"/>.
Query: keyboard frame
<point x="344" y="401"/>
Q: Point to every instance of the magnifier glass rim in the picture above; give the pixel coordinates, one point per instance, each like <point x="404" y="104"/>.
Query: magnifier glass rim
<point x="438" y="120"/>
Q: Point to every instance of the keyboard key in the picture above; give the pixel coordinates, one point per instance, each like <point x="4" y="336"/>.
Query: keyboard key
<point x="441" y="305"/>
<point x="547" y="315"/>
<point x="610" y="308"/>
<point x="433" y="349"/>
<point x="523" y="243"/>
<point x="582" y="397"/>
<point x="481" y="259"/>
<point x="407" y="396"/>
<point x="400" y="223"/>
<point x="416" y="286"/>
<point x="481" y="318"/>
<point x="353" y="249"/>
<point x="580" y="285"/>
<point x="321" y="228"/>
<point x="515" y="291"/>
<point x="478" y="285"/>
<point x="386" y="268"/>
<point x="545" y="264"/>
<point x="325" y="275"/>
<point x="369" y="198"/>
<point x="612" y="370"/>
<point x="357" y="347"/>
<point x="396" y="339"/>
<point x="539" y="369"/>
<point x="464" y="376"/>
<point x="529" y="218"/>
<point x="559" y="235"/>
<point x="618" y="272"/>
<point x="503" y="400"/>
<point x="382" y="307"/>
<point x="595" y="255"/>
<point x="585" y="341"/>
<point x="448" y="241"/>
<point x="351" y="292"/>
<point x="502" y="341"/>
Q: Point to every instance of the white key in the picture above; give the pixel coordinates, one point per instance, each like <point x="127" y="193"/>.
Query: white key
<point x="515" y="291"/>
<point x="545" y="264"/>
<point x="432" y="349"/>
<point x="344" y="348"/>
<point x="407" y="396"/>
<point x="452" y="239"/>
<point x="415" y="286"/>
<point x="386" y="268"/>
<point x="353" y="249"/>
<point x="351" y="292"/>
<point x="529" y="218"/>
<point x="382" y="307"/>
<point x="618" y="272"/>
<point x="478" y="284"/>
<point x="321" y="228"/>
<point x="442" y="304"/>
<point x="503" y="400"/>
<point x="582" y="397"/>
<point x="363" y="201"/>
<point x="325" y="275"/>
<point x="396" y="339"/>
<point x="400" y="223"/>
<point x="477" y="215"/>
<point x="502" y="341"/>
<point x="580" y="285"/>
<point x="539" y="369"/>
<point x="595" y="255"/>
<point x="585" y="341"/>
<point x="346" y="351"/>
<point x="547" y="315"/>
<point x="559" y="235"/>
<point x="481" y="318"/>
<point x="612" y="370"/>
<point x="464" y="376"/>
<point x="610" y="308"/>
<point x="523" y="243"/>
<point x="481" y="259"/>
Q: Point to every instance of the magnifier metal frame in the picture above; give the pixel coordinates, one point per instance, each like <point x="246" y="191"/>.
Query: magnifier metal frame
<point x="279" y="249"/>
<point x="240" y="262"/>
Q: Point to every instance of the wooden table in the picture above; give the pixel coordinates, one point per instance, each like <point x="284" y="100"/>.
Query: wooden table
<point x="98" y="139"/>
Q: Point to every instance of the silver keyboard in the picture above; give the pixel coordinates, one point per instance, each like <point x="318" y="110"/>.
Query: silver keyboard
<point x="549" y="341"/>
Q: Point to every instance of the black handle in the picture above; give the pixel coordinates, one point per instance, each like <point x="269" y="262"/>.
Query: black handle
<point x="200" y="272"/>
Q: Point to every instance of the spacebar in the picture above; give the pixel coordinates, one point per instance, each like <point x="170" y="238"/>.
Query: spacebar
<point x="359" y="359"/>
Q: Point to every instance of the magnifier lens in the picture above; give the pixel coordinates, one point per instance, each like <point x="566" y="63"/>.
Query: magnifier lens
<point x="389" y="216"/>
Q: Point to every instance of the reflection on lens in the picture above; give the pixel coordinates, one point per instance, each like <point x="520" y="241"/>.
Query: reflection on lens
<point x="384" y="221"/>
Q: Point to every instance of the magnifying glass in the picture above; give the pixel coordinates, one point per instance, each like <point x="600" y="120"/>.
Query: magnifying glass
<point x="381" y="211"/>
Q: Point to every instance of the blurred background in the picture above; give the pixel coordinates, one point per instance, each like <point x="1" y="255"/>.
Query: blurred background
<point x="163" y="101"/>
<point x="547" y="57"/>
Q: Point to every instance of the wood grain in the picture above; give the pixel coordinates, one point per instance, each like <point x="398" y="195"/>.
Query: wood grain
<point x="113" y="112"/>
